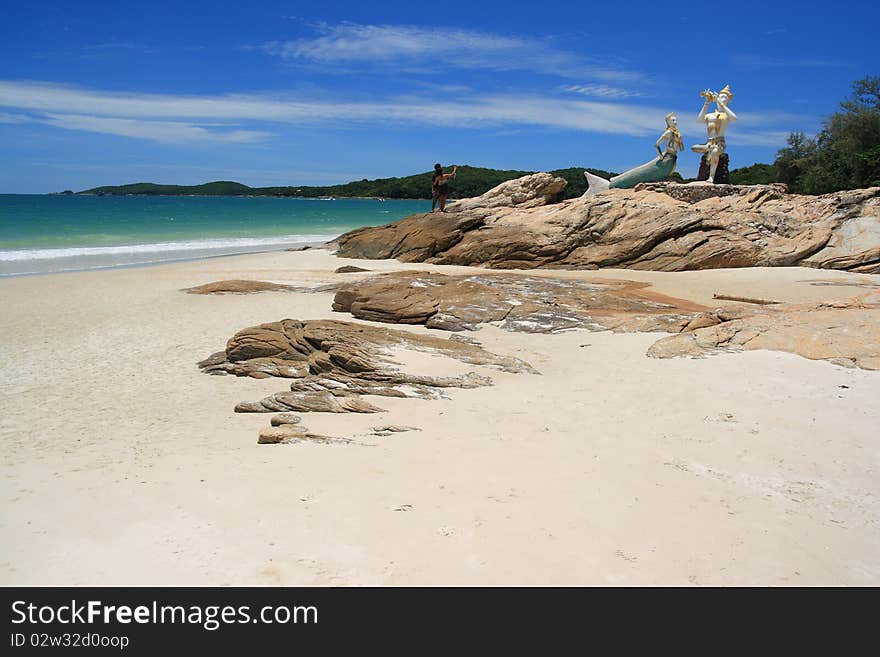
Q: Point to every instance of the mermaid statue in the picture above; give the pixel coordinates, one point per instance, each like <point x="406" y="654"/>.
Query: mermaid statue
<point x="660" y="168"/>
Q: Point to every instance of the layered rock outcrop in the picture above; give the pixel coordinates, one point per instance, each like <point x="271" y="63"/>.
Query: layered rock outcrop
<point x="660" y="226"/>
<point x="333" y="364"/>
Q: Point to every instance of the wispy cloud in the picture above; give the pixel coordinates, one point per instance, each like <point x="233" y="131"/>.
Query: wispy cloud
<point x="601" y="91"/>
<point x="161" y="131"/>
<point x="770" y="138"/>
<point x="163" y="117"/>
<point x="121" y="45"/>
<point x="438" y="48"/>
<point x="14" y="118"/>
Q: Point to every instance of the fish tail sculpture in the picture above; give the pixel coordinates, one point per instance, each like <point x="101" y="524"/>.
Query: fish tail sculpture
<point x="596" y="184"/>
<point x="660" y="168"/>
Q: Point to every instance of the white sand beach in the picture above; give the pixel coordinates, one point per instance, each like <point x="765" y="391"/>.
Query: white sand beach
<point x="124" y="464"/>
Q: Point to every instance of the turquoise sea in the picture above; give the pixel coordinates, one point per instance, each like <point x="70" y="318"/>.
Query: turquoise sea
<point x="53" y="233"/>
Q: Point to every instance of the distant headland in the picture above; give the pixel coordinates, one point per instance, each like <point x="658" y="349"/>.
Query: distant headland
<point x="469" y="182"/>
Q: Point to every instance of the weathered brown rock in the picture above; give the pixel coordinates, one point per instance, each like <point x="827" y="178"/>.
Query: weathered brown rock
<point x="663" y="226"/>
<point x="844" y="332"/>
<point x="333" y="364"/>
<point x="349" y="269"/>
<point x="291" y="433"/>
<point x="256" y="368"/>
<point x="530" y="191"/>
<point x="238" y="286"/>
<point x="305" y="402"/>
<point x="284" y="418"/>
<point x="388" y="429"/>
<point x="533" y="304"/>
<point x="695" y="192"/>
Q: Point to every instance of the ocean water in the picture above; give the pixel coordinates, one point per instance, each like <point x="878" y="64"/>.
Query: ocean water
<point x="43" y="234"/>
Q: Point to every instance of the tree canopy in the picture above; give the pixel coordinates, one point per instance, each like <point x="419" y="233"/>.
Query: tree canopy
<point x="844" y="155"/>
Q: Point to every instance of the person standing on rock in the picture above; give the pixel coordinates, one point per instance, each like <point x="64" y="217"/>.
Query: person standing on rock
<point x="439" y="186"/>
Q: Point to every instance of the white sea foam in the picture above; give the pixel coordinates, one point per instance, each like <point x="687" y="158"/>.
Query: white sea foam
<point x="22" y="262"/>
<point x="225" y="243"/>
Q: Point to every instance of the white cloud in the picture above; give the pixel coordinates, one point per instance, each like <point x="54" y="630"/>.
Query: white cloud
<point x="191" y="118"/>
<point x="437" y="49"/>
<point x="770" y="138"/>
<point x="602" y="91"/>
<point x="162" y="131"/>
<point x="14" y="118"/>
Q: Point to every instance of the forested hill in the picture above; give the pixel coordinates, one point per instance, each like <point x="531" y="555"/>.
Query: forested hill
<point x="469" y="181"/>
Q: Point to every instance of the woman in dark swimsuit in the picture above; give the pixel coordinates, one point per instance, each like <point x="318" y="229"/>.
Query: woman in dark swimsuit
<point x="439" y="186"/>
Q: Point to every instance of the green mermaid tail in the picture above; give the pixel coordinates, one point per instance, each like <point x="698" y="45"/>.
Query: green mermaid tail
<point x="660" y="168"/>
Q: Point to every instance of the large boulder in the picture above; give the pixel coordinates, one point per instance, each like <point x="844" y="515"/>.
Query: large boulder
<point x="664" y="227"/>
<point x="530" y="191"/>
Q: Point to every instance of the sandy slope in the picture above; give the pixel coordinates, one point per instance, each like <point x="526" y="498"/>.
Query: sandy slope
<point x="123" y="464"/>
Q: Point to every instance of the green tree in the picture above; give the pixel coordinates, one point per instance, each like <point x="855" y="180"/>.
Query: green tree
<point x="797" y="157"/>
<point x="757" y="174"/>
<point x="846" y="152"/>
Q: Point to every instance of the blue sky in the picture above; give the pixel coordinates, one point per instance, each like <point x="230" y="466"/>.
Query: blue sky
<point x="287" y="93"/>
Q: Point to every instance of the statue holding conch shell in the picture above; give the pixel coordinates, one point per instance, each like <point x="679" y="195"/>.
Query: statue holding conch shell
<point x="716" y="126"/>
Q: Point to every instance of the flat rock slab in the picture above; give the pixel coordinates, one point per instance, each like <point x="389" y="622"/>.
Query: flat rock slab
<point x="238" y="286"/>
<point x="332" y="364"/>
<point x="695" y="192"/>
<point x="388" y="429"/>
<point x="662" y="227"/>
<point x="290" y="433"/>
<point x="844" y="332"/>
<point x="531" y="304"/>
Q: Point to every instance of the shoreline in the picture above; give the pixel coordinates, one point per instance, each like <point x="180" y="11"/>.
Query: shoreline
<point x="305" y="198"/>
<point x="42" y="235"/>
<point x="159" y="263"/>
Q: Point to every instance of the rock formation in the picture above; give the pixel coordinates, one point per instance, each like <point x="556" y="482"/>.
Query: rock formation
<point x="332" y="364"/>
<point x="293" y="433"/>
<point x="843" y="332"/>
<point x="530" y="191"/>
<point x="534" y="304"/>
<point x="722" y="173"/>
<point x="657" y="226"/>
<point x="238" y="286"/>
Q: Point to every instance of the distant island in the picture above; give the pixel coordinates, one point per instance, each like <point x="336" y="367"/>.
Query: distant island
<point x="470" y="181"/>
